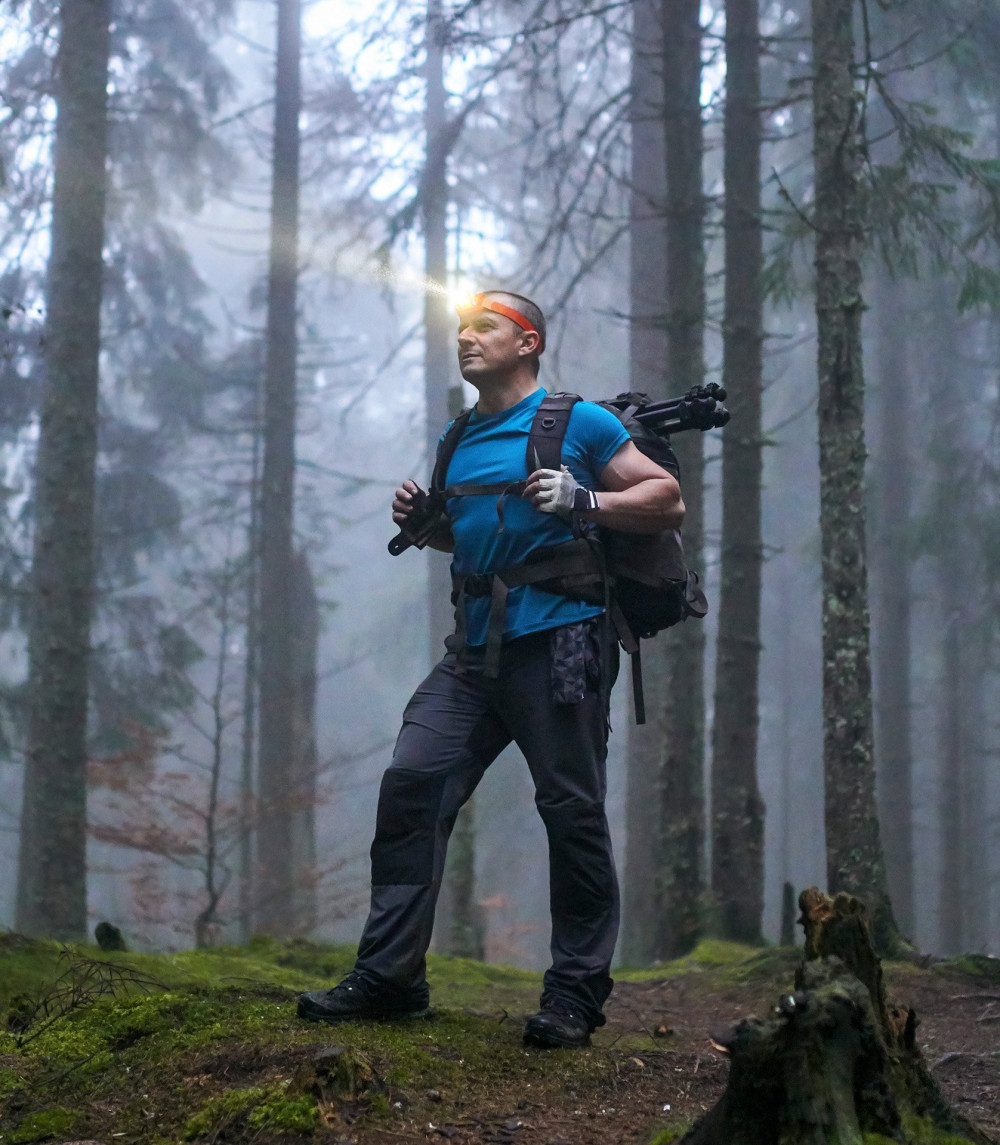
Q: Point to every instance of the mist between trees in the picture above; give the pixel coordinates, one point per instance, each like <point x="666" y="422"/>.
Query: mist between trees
<point x="231" y="233"/>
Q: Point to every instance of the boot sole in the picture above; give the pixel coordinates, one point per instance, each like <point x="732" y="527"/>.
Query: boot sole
<point x="339" y="1019"/>
<point x="547" y="1041"/>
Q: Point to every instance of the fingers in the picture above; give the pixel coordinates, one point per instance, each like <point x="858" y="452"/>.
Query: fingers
<point x="539" y="483"/>
<point x="403" y="502"/>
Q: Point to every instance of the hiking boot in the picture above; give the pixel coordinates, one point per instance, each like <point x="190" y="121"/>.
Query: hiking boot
<point x="357" y="1000"/>
<point x="557" y="1026"/>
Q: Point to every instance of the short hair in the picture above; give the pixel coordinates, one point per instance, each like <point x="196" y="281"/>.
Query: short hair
<point x="530" y="311"/>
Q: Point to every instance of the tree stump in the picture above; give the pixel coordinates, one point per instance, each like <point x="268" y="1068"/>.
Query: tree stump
<point x="834" y="1064"/>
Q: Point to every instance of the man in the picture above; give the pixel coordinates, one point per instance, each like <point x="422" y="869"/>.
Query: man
<point x="545" y="687"/>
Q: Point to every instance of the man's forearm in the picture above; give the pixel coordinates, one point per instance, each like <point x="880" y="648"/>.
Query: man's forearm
<point x="647" y="507"/>
<point x="442" y="540"/>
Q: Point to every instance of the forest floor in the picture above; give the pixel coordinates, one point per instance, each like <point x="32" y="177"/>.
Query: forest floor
<point x="204" y="1046"/>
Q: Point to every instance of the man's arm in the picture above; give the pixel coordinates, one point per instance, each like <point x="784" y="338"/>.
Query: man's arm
<point x="638" y="496"/>
<point x="402" y="506"/>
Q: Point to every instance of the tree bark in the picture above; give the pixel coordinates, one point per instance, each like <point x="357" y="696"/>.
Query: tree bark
<point x="737" y="808"/>
<point x="251" y="667"/>
<point x="306" y="629"/>
<point x="836" y="1062"/>
<point x="457" y="923"/>
<point x="647" y="374"/>
<point x="891" y="534"/>
<point x="52" y="878"/>
<point x="963" y="662"/>
<point x="853" y="848"/>
<point x="439" y="320"/>
<point x="276" y="904"/>
<point x="677" y="908"/>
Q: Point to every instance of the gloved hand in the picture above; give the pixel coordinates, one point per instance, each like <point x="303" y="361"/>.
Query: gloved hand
<point x="560" y="492"/>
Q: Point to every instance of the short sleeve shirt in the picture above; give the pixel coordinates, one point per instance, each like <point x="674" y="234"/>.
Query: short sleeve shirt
<point x="493" y="450"/>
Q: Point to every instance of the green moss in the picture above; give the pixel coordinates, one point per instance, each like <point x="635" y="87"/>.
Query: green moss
<point x="717" y="952"/>
<point x="27" y="965"/>
<point x="10" y="1080"/>
<point x="733" y="962"/>
<point x="378" y="1104"/>
<point x="260" y="1109"/>
<point x="920" y="1131"/>
<point x="45" y="1125"/>
<point x="977" y="965"/>
<point x="671" y="1133"/>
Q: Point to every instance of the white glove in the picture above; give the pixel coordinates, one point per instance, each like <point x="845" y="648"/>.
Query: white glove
<point x="560" y="492"/>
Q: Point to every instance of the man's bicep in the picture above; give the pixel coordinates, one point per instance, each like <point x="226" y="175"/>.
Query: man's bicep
<point x="628" y="467"/>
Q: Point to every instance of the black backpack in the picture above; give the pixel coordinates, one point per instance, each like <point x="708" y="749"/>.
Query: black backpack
<point x="640" y="578"/>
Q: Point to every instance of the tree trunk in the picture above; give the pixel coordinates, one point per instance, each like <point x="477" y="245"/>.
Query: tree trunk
<point x="853" y="847"/>
<point x="277" y="673"/>
<point x="891" y="537"/>
<point x="963" y="663"/>
<point x="836" y="1061"/>
<point x="648" y="374"/>
<point x="440" y="323"/>
<point x="467" y="921"/>
<point x="456" y="913"/>
<point x="52" y="878"/>
<point x="248" y="811"/>
<point x="737" y="808"/>
<point x="306" y="629"/>
<point x="678" y="902"/>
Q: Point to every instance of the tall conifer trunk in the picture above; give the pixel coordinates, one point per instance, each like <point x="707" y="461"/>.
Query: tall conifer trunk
<point x="251" y="668"/>
<point x="962" y="660"/>
<point x="678" y="901"/>
<point x="458" y="930"/>
<point x="52" y="872"/>
<point x="853" y="847"/>
<point x="647" y="374"/>
<point x="891" y="526"/>
<point x="276" y="900"/>
<point x="305" y="633"/>
<point x="439" y="322"/>
<point x="737" y="809"/>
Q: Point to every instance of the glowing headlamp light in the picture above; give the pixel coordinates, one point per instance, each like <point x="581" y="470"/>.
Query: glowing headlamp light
<point x="482" y="302"/>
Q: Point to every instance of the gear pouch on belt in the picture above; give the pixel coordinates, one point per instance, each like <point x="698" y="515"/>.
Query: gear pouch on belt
<point x="574" y="651"/>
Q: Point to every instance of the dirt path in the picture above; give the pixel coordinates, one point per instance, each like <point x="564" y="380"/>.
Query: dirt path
<point x="667" y="1070"/>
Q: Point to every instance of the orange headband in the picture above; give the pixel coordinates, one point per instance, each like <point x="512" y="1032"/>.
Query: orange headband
<point x="481" y="302"/>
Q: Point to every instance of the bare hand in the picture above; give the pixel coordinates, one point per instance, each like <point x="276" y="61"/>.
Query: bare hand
<point x="531" y="486"/>
<point x="402" y="505"/>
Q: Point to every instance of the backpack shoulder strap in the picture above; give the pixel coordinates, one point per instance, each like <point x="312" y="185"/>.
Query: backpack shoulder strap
<point x="446" y="450"/>
<point x="548" y="430"/>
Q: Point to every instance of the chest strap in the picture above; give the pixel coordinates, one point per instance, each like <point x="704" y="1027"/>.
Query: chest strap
<point x="577" y="559"/>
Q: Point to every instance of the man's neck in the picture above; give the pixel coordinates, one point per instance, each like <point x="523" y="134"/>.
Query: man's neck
<point x="501" y="393"/>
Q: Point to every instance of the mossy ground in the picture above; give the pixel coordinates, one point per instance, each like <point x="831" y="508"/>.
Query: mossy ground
<point x="205" y="1046"/>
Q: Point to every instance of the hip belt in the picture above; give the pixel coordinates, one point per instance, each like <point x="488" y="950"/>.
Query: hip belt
<point x="574" y="569"/>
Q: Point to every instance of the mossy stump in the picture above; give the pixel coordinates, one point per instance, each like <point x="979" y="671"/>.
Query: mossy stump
<point x="834" y="1064"/>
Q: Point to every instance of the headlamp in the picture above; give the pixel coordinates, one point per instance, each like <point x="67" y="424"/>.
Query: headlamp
<point x="482" y="302"/>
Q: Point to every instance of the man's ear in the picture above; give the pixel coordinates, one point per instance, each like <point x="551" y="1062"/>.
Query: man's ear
<point x="531" y="342"/>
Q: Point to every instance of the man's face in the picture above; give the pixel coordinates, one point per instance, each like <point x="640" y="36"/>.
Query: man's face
<point x="489" y="345"/>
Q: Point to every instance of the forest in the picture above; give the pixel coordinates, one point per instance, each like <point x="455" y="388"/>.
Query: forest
<point x="233" y="234"/>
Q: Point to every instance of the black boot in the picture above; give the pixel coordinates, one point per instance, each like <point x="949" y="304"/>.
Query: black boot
<point x="357" y="1000"/>
<point x="557" y="1025"/>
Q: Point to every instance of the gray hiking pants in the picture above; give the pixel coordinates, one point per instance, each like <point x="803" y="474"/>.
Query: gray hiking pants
<point x="454" y="727"/>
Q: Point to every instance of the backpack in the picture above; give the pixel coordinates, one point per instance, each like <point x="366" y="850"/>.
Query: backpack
<point x="640" y="578"/>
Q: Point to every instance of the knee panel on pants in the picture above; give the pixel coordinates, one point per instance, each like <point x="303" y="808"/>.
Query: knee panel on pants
<point x="409" y="803"/>
<point x="582" y="873"/>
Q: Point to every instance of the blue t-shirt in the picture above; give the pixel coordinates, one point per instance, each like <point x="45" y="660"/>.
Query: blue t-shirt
<point x="492" y="450"/>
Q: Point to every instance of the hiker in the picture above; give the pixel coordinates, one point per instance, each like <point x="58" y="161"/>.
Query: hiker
<point x="525" y="664"/>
